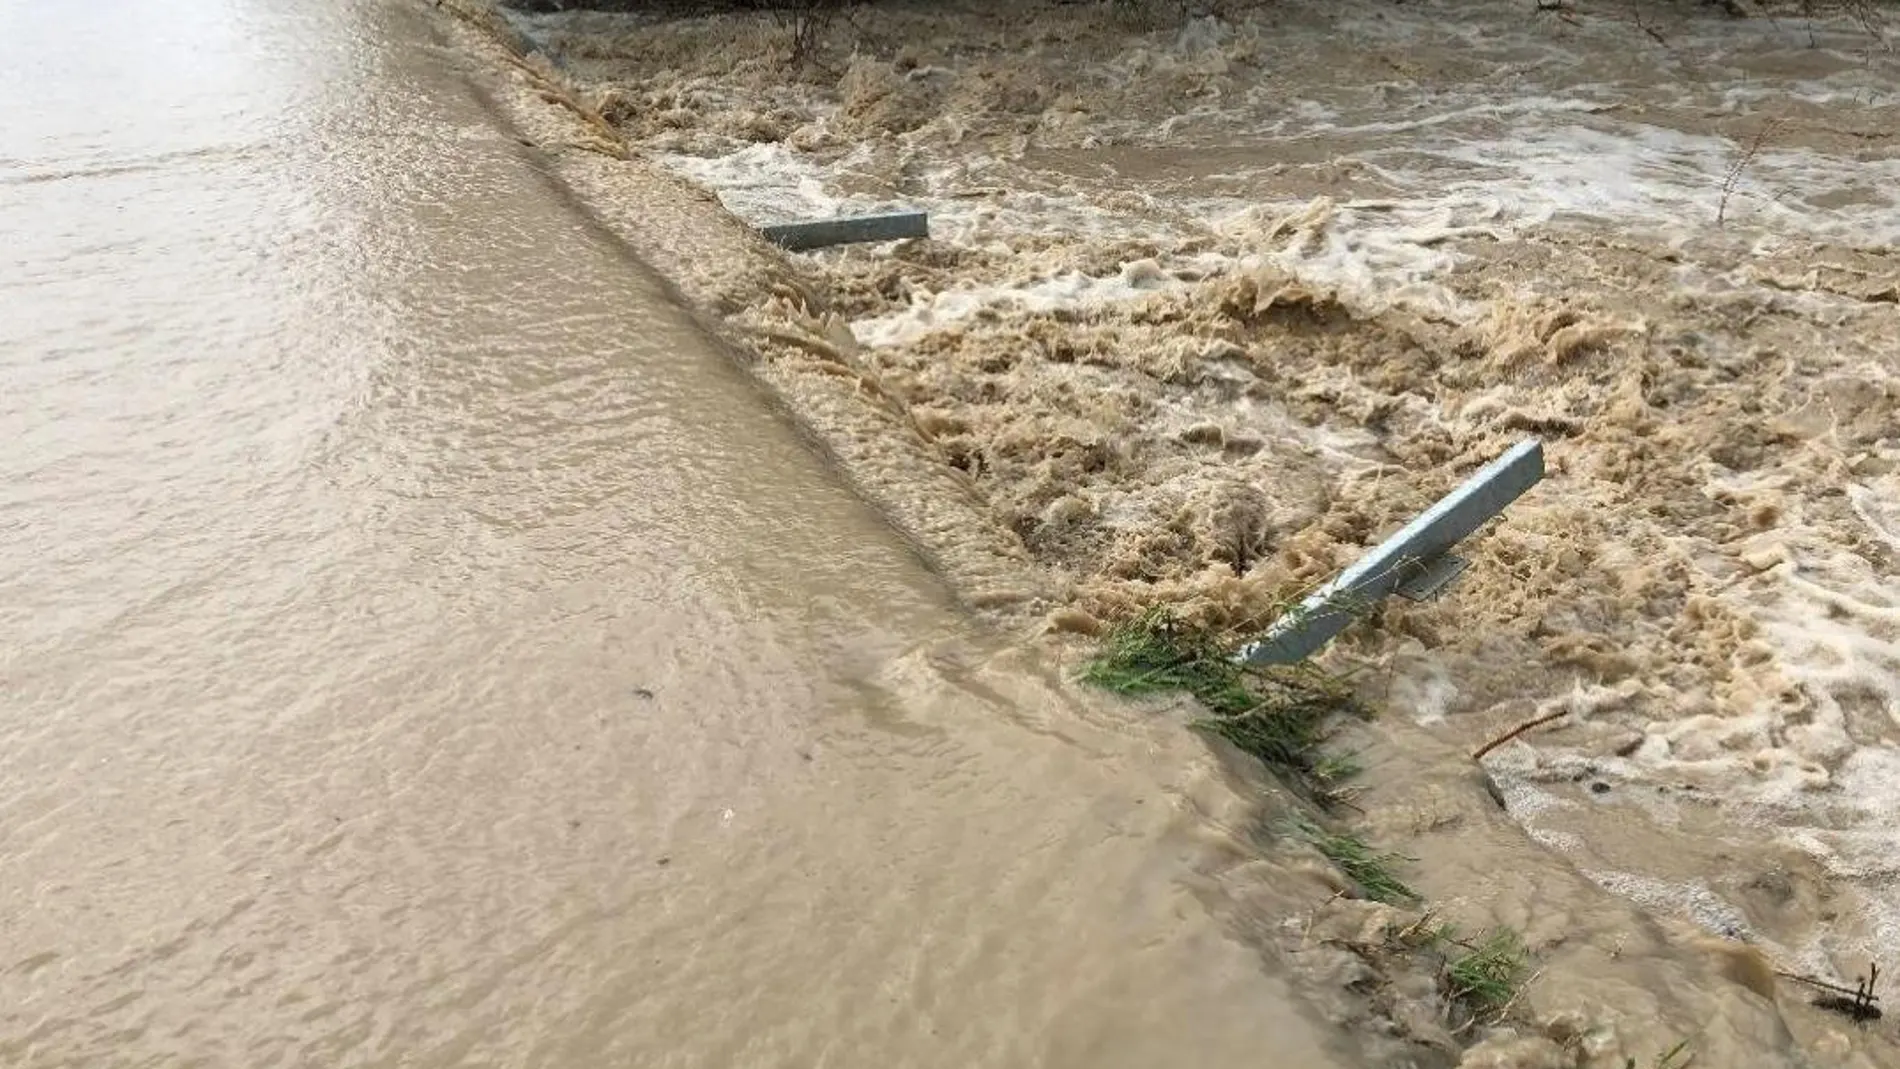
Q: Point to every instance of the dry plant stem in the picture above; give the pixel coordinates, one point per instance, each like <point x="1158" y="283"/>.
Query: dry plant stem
<point x="1822" y="984"/>
<point x="1732" y="180"/>
<point x="1654" y="34"/>
<point x="1478" y="755"/>
<point x="1863" y="12"/>
<point x="1859" y="1002"/>
<point x="1501" y="1012"/>
<point x="1505" y="1010"/>
<point x="808" y="23"/>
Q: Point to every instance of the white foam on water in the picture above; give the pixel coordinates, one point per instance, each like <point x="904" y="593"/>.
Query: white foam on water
<point x="769" y="183"/>
<point x="1487" y="164"/>
<point x="994" y="222"/>
<point x="1694" y="900"/>
<point x="933" y="311"/>
<point x="1431" y="114"/>
<point x="1813" y="758"/>
<point x="1879" y="507"/>
<point x="1513" y="767"/>
<point x="1374" y="255"/>
<point x="1818" y="769"/>
<point x="1561" y="841"/>
<point x="1425" y="688"/>
<point x="1665" y="183"/>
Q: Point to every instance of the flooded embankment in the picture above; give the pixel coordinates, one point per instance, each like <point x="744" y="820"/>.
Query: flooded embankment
<point x="420" y="646"/>
<point x="1211" y="304"/>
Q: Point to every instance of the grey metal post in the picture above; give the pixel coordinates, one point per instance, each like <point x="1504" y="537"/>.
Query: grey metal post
<point x="817" y="235"/>
<point x="1414" y="562"/>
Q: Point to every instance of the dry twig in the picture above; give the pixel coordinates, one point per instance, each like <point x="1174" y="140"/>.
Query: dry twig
<point x="1731" y="181"/>
<point x="1858" y="1002"/>
<point x="1478" y="755"/>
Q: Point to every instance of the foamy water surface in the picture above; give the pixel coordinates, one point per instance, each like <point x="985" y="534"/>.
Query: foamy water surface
<point x="1469" y="164"/>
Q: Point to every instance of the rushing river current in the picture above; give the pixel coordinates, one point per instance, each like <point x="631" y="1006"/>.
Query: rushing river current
<point x="420" y="646"/>
<point x="1214" y="302"/>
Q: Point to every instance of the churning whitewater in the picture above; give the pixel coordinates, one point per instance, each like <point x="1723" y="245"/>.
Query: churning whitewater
<point x="1211" y="303"/>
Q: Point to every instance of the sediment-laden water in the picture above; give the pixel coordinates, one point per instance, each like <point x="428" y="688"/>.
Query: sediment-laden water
<point x="419" y="645"/>
<point x="1211" y="304"/>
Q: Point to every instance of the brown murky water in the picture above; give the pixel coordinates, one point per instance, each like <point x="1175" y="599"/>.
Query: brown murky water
<point x="1212" y="303"/>
<point x="419" y="646"/>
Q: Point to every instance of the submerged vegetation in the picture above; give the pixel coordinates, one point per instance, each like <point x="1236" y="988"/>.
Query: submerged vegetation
<point x="1155" y="653"/>
<point x="1480" y="977"/>
<point x="1278" y="715"/>
<point x="1485" y="975"/>
<point x="1282" y="716"/>
<point x="1373" y="870"/>
<point x="1676" y="1057"/>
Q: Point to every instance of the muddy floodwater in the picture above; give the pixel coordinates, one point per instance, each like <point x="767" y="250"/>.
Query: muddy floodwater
<point x="420" y="646"/>
<point x="1216" y="298"/>
<point x="466" y="601"/>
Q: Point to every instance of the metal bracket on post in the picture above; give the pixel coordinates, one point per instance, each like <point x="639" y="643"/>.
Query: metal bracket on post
<point x="825" y="232"/>
<point x="1415" y="563"/>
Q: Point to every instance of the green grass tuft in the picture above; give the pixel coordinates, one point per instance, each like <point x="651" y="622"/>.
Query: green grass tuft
<point x="1335" y="769"/>
<point x="1486" y="976"/>
<point x="1371" y="869"/>
<point x="1278" y="715"/>
<point x="1154" y="653"/>
<point x="1288" y="725"/>
<point x="1676" y="1057"/>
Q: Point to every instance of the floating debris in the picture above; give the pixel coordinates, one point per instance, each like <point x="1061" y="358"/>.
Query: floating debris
<point x="1858" y="1002"/>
